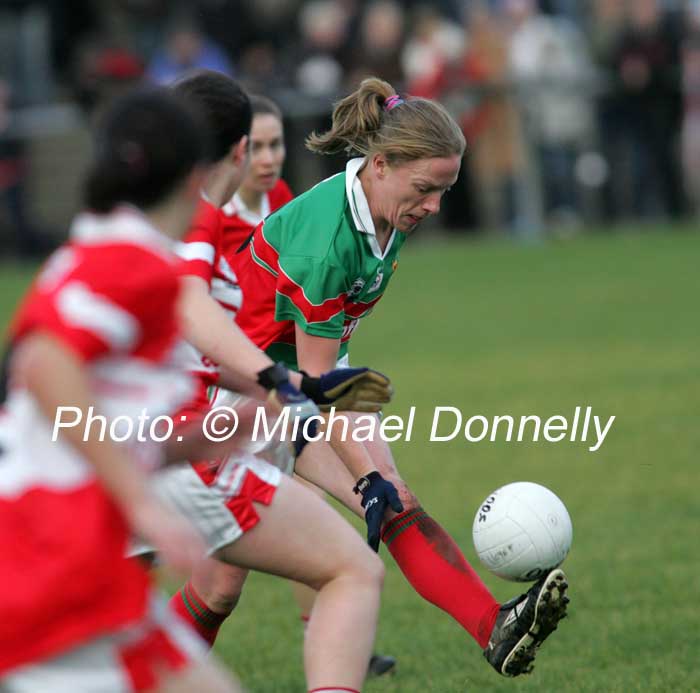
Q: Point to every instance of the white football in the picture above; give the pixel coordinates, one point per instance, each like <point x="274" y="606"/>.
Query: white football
<point x="521" y="531"/>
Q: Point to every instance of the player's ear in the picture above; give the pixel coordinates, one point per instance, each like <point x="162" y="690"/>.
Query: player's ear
<point x="239" y="151"/>
<point x="379" y="165"/>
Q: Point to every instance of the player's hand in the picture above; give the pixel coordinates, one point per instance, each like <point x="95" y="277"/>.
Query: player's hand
<point x="349" y="389"/>
<point x="284" y="394"/>
<point x="173" y="538"/>
<point x="377" y="493"/>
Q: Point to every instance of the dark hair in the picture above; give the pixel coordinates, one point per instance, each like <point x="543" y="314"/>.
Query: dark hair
<point x="261" y="105"/>
<point x="224" y="104"/>
<point x="146" y="142"/>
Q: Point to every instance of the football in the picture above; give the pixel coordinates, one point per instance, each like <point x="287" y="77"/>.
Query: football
<point x="521" y="531"/>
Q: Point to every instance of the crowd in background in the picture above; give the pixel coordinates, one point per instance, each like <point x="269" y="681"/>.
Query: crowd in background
<point x="573" y="110"/>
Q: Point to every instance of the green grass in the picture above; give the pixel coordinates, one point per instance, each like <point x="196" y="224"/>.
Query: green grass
<point x="607" y="320"/>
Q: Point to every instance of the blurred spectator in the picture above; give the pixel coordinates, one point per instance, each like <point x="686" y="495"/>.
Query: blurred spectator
<point x="606" y="24"/>
<point x="186" y="48"/>
<point x="550" y="62"/>
<point x="260" y="70"/>
<point x="25" y="51"/>
<point x="104" y="68"/>
<point x="434" y="43"/>
<point x="377" y="51"/>
<point x="494" y="134"/>
<point x="28" y="242"/>
<point x="324" y="26"/>
<point x="645" y="170"/>
<point x="473" y="82"/>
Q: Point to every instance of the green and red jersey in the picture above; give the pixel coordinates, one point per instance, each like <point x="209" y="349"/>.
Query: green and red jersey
<point x="316" y="263"/>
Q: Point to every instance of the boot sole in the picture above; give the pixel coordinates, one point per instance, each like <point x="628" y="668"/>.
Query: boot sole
<point x="550" y="608"/>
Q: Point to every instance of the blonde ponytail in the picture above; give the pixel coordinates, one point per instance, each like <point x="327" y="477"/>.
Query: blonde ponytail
<point x="410" y="129"/>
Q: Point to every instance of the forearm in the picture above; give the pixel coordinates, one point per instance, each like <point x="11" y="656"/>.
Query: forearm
<point x="193" y="443"/>
<point x="354" y="455"/>
<point x="234" y="382"/>
<point x="317" y="355"/>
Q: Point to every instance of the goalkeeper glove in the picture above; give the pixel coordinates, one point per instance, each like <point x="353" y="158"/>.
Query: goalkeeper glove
<point x="348" y="389"/>
<point x="377" y="494"/>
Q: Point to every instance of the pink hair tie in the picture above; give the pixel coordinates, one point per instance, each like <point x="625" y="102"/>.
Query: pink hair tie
<point x="392" y="102"/>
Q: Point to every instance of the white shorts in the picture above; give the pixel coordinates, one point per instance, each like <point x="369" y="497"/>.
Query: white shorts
<point x="224" y="510"/>
<point x="129" y="660"/>
<point x="277" y="453"/>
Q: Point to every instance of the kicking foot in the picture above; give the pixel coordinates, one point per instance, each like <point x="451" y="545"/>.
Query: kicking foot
<point x="524" y="623"/>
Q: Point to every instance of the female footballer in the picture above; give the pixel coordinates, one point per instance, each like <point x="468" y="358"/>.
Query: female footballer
<point x="97" y="329"/>
<point x="311" y="272"/>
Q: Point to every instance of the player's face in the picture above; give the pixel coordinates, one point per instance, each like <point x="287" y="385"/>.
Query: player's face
<point x="266" y="153"/>
<point x="410" y="192"/>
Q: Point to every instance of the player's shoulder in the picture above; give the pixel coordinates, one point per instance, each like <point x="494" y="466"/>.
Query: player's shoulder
<point x="116" y="252"/>
<point x="327" y="197"/>
<point x="308" y="224"/>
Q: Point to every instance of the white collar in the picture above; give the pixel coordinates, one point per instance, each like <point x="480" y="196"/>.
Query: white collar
<point x="359" y="207"/>
<point x="125" y="222"/>
<point x="237" y="207"/>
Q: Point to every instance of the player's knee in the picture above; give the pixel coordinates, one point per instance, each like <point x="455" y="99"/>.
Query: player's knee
<point x="361" y="567"/>
<point x="368" y="569"/>
<point x="375" y="569"/>
<point x="223" y="602"/>
<point x="222" y="589"/>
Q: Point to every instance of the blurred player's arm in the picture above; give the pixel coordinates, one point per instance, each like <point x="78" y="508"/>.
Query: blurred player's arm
<point x="210" y="329"/>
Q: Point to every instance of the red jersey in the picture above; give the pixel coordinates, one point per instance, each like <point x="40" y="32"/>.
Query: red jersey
<point x="237" y="223"/>
<point x="210" y="252"/>
<point x="109" y="296"/>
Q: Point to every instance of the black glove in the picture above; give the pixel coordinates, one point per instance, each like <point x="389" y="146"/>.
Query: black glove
<point x="351" y="389"/>
<point x="284" y="394"/>
<point x="377" y="494"/>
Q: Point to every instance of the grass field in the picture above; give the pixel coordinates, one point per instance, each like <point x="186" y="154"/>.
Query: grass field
<point x="609" y="321"/>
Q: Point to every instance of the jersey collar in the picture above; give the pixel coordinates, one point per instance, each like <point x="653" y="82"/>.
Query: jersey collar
<point x="359" y="207"/>
<point x="236" y="207"/>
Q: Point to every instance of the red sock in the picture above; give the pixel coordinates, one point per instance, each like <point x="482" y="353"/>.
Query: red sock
<point x="437" y="570"/>
<point x="188" y="605"/>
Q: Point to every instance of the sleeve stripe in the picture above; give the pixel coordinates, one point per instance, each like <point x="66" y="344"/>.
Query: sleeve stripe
<point x="264" y="249"/>
<point x="312" y="312"/>
<point x="80" y="307"/>
<point x="196" y="251"/>
<point x="357" y="310"/>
